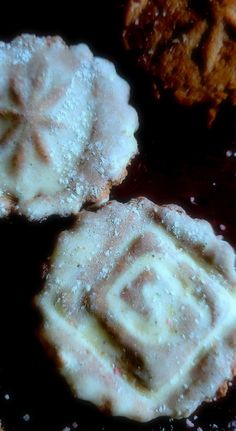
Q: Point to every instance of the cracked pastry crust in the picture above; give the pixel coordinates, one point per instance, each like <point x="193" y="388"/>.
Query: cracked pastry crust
<point x="66" y="128"/>
<point x="139" y="305"/>
<point x="187" y="46"/>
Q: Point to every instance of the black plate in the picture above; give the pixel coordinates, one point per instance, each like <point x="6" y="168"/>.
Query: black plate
<point x="180" y="162"/>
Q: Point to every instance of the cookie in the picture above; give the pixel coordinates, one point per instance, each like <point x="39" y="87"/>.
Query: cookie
<point x="188" y="47"/>
<point x="139" y="306"/>
<point x="66" y="128"/>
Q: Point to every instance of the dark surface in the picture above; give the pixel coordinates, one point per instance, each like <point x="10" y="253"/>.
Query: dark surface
<point x="180" y="160"/>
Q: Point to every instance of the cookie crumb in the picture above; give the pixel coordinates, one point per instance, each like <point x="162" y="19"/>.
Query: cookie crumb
<point x="222" y="227"/>
<point x="189" y="423"/>
<point x="26" y="417"/>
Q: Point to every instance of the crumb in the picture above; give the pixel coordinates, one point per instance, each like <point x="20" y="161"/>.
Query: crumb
<point x="222" y="227"/>
<point x="26" y="417"/>
<point x="189" y="423"/>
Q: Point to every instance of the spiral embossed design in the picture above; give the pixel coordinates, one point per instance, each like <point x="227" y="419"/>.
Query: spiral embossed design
<point x="140" y="307"/>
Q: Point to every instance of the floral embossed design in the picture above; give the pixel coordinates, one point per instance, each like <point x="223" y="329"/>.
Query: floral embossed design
<point x="188" y="47"/>
<point x="28" y="114"/>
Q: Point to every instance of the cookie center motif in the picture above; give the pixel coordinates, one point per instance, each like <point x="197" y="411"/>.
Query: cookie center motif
<point x="28" y="115"/>
<point x="211" y="38"/>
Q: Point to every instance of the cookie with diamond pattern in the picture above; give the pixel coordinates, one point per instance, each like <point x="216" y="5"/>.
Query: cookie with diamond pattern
<point x="139" y="305"/>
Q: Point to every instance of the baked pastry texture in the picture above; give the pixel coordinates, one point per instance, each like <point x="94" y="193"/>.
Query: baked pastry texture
<point x="139" y="305"/>
<point x="66" y="128"/>
<point x="188" y="47"/>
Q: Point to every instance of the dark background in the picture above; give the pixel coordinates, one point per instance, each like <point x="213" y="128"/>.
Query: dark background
<point x="179" y="160"/>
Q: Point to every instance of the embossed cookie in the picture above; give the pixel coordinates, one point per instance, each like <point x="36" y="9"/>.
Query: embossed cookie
<point x="66" y="128"/>
<point x="187" y="46"/>
<point x="139" y="305"/>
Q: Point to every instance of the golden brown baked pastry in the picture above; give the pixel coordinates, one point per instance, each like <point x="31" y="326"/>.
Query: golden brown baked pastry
<point x="139" y="305"/>
<point x="66" y="128"/>
<point x="188" y="47"/>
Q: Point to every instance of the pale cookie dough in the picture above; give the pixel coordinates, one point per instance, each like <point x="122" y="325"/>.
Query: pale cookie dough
<point x="139" y="305"/>
<point x="66" y="128"/>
